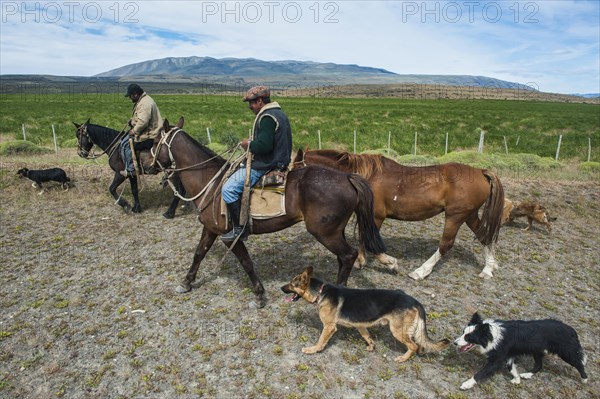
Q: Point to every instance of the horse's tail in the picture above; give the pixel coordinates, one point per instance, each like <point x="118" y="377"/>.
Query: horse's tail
<point x="491" y="218"/>
<point x="365" y="216"/>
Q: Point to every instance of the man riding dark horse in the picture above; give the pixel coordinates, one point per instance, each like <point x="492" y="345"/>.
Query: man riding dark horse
<point x="145" y="123"/>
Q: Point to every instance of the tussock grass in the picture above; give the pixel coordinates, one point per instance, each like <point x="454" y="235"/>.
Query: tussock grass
<point x="21" y="147"/>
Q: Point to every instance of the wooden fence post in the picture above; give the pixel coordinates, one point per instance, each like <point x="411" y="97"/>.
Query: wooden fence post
<point x="481" y="138"/>
<point x="415" y="148"/>
<point x="505" y="145"/>
<point x="23" y="128"/>
<point x="319" y="136"/>
<point x="54" y="135"/>
<point x="208" y="134"/>
<point x="589" y="149"/>
<point x="355" y="141"/>
<point x="558" y="148"/>
<point x="389" y="141"/>
<point x="446" y="152"/>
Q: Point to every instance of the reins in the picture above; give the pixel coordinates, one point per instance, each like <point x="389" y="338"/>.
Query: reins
<point x="169" y="172"/>
<point x="110" y="150"/>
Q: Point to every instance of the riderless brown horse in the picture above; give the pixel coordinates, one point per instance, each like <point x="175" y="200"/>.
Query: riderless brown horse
<point x="321" y="197"/>
<point x="418" y="193"/>
<point x="108" y="140"/>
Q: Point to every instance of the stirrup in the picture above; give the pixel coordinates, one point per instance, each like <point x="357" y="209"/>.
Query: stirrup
<point x="232" y="234"/>
<point x="125" y="173"/>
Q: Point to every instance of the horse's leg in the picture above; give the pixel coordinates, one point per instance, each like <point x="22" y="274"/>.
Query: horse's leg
<point x="133" y="181"/>
<point x="361" y="259"/>
<point x="122" y="202"/>
<point x="336" y="243"/>
<point x="451" y="226"/>
<point x="170" y="213"/>
<point x="206" y="241"/>
<point x="389" y="261"/>
<point x="489" y="251"/>
<point x="240" y="251"/>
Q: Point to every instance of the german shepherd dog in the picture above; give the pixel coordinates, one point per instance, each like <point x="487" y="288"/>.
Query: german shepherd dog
<point x="532" y="210"/>
<point x="501" y="341"/>
<point x="362" y="308"/>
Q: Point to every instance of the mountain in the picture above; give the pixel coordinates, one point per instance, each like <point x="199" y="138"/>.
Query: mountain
<point x="285" y="73"/>
<point x="588" y="95"/>
<point x="190" y="66"/>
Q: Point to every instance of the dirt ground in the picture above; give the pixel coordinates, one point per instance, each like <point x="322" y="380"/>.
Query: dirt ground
<point x="89" y="308"/>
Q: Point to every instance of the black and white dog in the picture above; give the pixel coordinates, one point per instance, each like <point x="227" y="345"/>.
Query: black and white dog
<point x="504" y="340"/>
<point x="45" y="175"/>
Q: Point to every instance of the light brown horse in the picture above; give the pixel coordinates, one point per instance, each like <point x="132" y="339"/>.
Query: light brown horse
<point x="418" y="193"/>
<point x="321" y="197"/>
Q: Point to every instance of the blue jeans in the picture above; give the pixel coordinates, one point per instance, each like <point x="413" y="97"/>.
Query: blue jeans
<point x="126" y="154"/>
<point x="234" y="186"/>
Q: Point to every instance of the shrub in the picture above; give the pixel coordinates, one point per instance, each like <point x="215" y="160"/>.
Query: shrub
<point x="21" y="147"/>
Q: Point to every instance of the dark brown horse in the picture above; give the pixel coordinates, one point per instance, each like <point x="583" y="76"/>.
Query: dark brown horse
<point x="418" y="193"/>
<point x="321" y="197"/>
<point x="108" y="140"/>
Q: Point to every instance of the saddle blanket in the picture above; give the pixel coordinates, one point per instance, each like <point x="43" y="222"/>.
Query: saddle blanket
<point x="265" y="202"/>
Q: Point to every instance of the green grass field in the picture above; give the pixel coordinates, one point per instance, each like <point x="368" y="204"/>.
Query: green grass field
<point x="535" y="125"/>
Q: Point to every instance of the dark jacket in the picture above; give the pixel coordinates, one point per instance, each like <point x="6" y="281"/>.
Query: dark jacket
<point x="279" y="157"/>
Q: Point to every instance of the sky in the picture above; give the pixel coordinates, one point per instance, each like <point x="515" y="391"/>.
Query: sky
<point x="553" y="46"/>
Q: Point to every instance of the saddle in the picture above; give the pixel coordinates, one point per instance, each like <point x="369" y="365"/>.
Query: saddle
<point x="267" y="197"/>
<point x="273" y="178"/>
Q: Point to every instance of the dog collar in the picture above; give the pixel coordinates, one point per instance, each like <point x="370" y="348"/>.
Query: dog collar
<point x="318" y="298"/>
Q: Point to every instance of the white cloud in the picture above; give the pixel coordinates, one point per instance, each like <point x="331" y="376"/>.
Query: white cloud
<point x="403" y="37"/>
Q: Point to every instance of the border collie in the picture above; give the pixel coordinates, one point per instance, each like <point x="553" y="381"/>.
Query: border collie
<point x="44" y="175"/>
<point x="504" y="340"/>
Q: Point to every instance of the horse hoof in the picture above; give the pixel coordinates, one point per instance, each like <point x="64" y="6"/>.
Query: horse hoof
<point x="485" y="276"/>
<point x="182" y="290"/>
<point x="260" y="303"/>
<point x="126" y="208"/>
<point x="415" y="276"/>
<point x="137" y="209"/>
<point x="168" y="215"/>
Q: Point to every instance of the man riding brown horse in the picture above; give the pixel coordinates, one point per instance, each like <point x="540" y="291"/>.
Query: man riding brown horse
<point x="270" y="147"/>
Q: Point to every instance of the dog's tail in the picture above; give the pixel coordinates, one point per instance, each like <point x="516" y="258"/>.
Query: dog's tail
<point x="367" y="230"/>
<point x="426" y="345"/>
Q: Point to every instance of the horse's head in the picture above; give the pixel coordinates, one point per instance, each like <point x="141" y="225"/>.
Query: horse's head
<point x="300" y="159"/>
<point x="84" y="142"/>
<point x="161" y="148"/>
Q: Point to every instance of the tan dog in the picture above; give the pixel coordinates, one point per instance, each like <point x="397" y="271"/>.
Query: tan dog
<point x="362" y="308"/>
<point x="532" y="210"/>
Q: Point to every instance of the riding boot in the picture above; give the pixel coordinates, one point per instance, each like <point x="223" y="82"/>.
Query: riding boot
<point x="233" y="211"/>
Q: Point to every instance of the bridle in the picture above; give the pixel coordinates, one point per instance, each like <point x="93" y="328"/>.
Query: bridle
<point x="166" y="139"/>
<point x="300" y="162"/>
<point x="83" y="153"/>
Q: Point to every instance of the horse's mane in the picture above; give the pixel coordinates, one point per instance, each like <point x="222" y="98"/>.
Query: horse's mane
<point x="101" y="136"/>
<point x="363" y="164"/>
<point x="201" y="147"/>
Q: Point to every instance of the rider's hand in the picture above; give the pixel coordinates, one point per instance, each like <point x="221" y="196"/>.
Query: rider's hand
<point x="130" y="133"/>
<point x="245" y="143"/>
